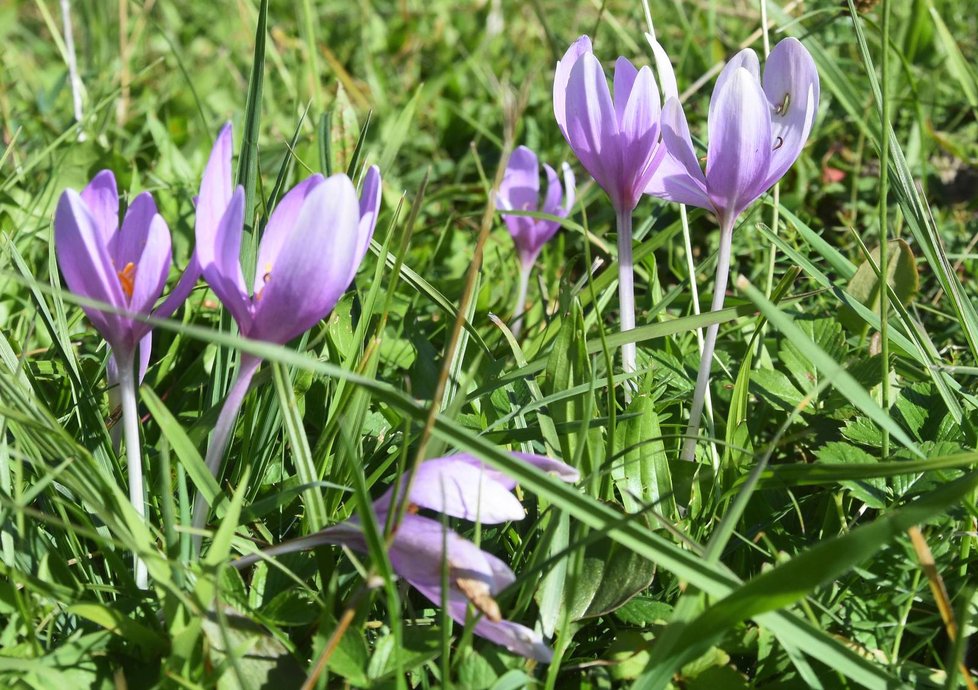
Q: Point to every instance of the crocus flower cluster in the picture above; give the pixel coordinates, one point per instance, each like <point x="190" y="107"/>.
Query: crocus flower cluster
<point x="420" y="548"/>
<point x="757" y="129"/>
<point x="520" y="191"/>
<point x="309" y="253"/>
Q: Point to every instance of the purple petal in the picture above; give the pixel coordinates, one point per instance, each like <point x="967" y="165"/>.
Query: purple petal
<point x="570" y="190"/>
<point x="746" y="59"/>
<point x="145" y="352"/>
<point x="639" y="133"/>
<point x="519" y="189"/>
<point x="126" y="246"/>
<point x="223" y="273"/>
<point x="86" y="265"/>
<point x="312" y="270"/>
<point x="791" y="85"/>
<point x="624" y="81"/>
<point x="460" y="489"/>
<point x="740" y="143"/>
<point x="416" y="554"/>
<point x="592" y="126"/>
<point x="188" y="280"/>
<point x="551" y="202"/>
<point x="369" y="209"/>
<point x="663" y="68"/>
<point x="101" y="196"/>
<point x="515" y="637"/>
<point x="216" y="189"/>
<point x="679" y="178"/>
<point x="152" y="267"/>
<point x="562" y="76"/>
<point x="280" y="226"/>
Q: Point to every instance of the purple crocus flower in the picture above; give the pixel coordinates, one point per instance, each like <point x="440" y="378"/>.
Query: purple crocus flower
<point x="309" y="253"/>
<point x="125" y="268"/>
<point x="756" y="129"/>
<point x="520" y="191"/>
<point x="617" y="139"/>
<point x="460" y="486"/>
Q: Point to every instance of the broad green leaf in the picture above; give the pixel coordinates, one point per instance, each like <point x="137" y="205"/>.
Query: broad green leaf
<point x="865" y="284"/>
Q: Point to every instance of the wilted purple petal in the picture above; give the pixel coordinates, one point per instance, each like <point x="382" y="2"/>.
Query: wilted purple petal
<point x="280" y="226"/>
<point x="312" y="270"/>
<point x="740" y="142"/>
<point x="101" y="196"/>
<point x="791" y="86"/>
<point x="562" y="76"/>
<point x="460" y="489"/>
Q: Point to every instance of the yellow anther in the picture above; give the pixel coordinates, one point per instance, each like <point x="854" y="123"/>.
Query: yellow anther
<point x="127" y="278"/>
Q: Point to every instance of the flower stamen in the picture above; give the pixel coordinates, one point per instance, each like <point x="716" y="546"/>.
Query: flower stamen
<point x="127" y="278"/>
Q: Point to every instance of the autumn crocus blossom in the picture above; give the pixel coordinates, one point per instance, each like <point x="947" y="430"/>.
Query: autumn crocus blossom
<point x="757" y="129"/>
<point x="617" y="139"/>
<point x="309" y="253"/>
<point x="126" y="268"/>
<point x="520" y="191"/>
<point x="420" y="548"/>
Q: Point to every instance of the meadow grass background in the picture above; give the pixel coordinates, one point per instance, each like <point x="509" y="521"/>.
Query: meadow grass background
<point x="823" y="539"/>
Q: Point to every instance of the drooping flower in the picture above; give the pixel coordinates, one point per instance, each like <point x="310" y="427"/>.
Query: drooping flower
<point x="420" y="548"/>
<point x="520" y="191"/>
<point x="126" y="268"/>
<point x="757" y="130"/>
<point x="617" y="139"/>
<point x="309" y="252"/>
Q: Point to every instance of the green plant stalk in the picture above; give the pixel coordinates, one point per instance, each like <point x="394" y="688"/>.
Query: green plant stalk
<point x="134" y="461"/>
<point x="626" y="293"/>
<point x="884" y="250"/>
<point x="222" y="433"/>
<point x="520" y="307"/>
<point x="706" y="357"/>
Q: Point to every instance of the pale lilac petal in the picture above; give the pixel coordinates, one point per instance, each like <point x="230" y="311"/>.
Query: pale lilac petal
<point x="519" y="189"/>
<point x="624" y="80"/>
<point x="416" y="554"/>
<point x="680" y="177"/>
<point x="570" y="190"/>
<point x="791" y="85"/>
<point x="369" y="209"/>
<point x="515" y="637"/>
<point x="188" y="280"/>
<point x="663" y="68"/>
<point x="460" y="489"/>
<point x="216" y="189"/>
<point x="126" y="246"/>
<point x="312" y="270"/>
<point x="145" y="352"/>
<point x="746" y="59"/>
<point x="639" y="133"/>
<point x="551" y="202"/>
<point x="740" y="142"/>
<point x="86" y="266"/>
<point x="223" y="273"/>
<point x="152" y="267"/>
<point x="562" y="76"/>
<point x="101" y="196"/>
<point x="592" y="126"/>
<point x="280" y="226"/>
<point x="559" y="469"/>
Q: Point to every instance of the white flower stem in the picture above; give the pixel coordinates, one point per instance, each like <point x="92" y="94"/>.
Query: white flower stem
<point x="222" y="434"/>
<point x="706" y="358"/>
<point x="134" y="461"/>
<point x="626" y="293"/>
<point x="519" y="309"/>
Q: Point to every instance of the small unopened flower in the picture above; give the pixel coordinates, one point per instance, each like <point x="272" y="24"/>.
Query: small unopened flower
<point x="520" y="191"/>
<point x="421" y="548"/>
